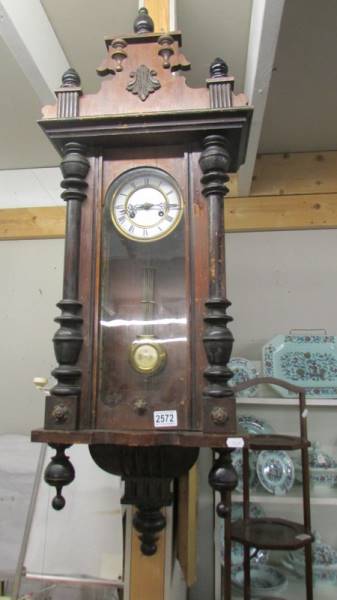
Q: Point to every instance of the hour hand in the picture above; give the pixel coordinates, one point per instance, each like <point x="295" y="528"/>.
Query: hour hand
<point x="145" y="206"/>
<point x="131" y="211"/>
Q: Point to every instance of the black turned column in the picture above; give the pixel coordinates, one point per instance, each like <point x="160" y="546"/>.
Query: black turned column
<point x="62" y="404"/>
<point x="68" y="339"/>
<point x="219" y="400"/>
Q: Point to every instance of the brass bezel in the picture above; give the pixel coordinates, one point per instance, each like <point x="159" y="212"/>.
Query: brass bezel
<point x="147" y="340"/>
<point x="127" y="178"/>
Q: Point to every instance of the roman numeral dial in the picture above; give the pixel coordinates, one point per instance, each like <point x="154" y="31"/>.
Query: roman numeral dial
<point x="146" y="204"/>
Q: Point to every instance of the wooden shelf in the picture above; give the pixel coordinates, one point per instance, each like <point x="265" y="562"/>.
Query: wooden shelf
<point x="278" y="401"/>
<point x="270" y="533"/>
<point x="323" y="496"/>
<point x="276" y="441"/>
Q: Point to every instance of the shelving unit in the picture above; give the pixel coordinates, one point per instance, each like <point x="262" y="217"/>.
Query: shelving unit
<point x="261" y="401"/>
<point x="319" y="496"/>
<point x="322" y="428"/>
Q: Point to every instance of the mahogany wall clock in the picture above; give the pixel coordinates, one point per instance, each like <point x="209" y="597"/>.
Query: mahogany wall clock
<point x="143" y="343"/>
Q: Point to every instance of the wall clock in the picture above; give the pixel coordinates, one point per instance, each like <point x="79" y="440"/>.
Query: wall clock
<point x="143" y="340"/>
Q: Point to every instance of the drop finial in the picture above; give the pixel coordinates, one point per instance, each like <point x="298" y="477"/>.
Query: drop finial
<point x="218" y="68"/>
<point x="59" y="472"/>
<point x="143" y="22"/>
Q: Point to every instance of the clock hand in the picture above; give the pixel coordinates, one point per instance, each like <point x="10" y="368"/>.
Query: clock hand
<point x="131" y="210"/>
<point x="145" y="206"/>
<point x="161" y="205"/>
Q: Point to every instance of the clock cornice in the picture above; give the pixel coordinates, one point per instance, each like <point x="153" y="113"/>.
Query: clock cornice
<point x="140" y="77"/>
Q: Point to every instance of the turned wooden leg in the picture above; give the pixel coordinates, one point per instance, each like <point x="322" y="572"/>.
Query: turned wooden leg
<point x="223" y="479"/>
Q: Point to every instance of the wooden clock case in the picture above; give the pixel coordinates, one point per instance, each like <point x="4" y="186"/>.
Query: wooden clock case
<point x="144" y="115"/>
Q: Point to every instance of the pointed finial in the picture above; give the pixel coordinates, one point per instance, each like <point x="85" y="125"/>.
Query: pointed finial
<point x="218" y="68"/>
<point x="71" y="78"/>
<point x="143" y="22"/>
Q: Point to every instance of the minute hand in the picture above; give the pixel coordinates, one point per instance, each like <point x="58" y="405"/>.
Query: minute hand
<point x="148" y="206"/>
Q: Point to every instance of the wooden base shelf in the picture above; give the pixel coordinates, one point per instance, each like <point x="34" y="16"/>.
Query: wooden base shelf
<point x="276" y="442"/>
<point x="271" y="534"/>
<point x="185" y="439"/>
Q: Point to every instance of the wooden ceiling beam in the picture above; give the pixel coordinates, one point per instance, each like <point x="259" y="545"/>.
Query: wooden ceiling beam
<point x="281" y="213"/>
<point x="163" y="13"/>
<point x="295" y="173"/>
<point x="27" y="32"/>
<point x="255" y="213"/>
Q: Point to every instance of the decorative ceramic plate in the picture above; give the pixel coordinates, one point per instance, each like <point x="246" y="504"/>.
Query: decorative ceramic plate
<point x="253" y="425"/>
<point x="255" y="511"/>
<point x="265" y="580"/>
<point x="322" y="466"/>
<point x="237" y="461"/>
<point x="309" y="361"/>
<point x="257" y="557"/>
<point x="243" y="370"/>
<point x="276" y="472"/>
<point x="324" y="559"/>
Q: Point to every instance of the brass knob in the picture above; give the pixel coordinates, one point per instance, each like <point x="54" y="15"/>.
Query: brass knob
<point x="218" y="415"/>
<point x="140" y="406"/>
<point x="60" y="413"/>
<point x="40" y="382"/>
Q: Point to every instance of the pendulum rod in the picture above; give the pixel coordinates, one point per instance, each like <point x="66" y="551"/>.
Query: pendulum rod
<point x="148" y="300"/>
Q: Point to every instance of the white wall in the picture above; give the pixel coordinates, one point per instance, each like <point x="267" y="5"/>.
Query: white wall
<point x="276" y="281"/>
<point x="31" y="284"/>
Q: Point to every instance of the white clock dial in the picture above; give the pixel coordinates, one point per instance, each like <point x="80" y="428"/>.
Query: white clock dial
<point x="147" y="205"/>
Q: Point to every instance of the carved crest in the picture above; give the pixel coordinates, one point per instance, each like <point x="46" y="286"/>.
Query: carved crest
<point x="143" y="82"/>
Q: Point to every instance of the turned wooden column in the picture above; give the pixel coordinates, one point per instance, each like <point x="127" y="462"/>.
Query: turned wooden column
<point x="223" y="479"/>
<point x="219" y="399"/>
<point x="68" y="339"/>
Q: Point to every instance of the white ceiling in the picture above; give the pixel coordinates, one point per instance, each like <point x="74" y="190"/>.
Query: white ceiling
<point x="301" y="106"/>
<point x="80" y="26"/>
<point x="22" y="142"/>
<point x="300" y="112"/>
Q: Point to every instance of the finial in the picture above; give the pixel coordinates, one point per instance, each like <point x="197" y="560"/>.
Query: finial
<point x="59" y="472"/>
<point x="218" y="68"/>
<point x="71" y="78"/>
<point x="143" y="22"/>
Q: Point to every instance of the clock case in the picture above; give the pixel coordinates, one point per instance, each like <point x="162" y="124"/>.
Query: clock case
<point x="144" y="115"/>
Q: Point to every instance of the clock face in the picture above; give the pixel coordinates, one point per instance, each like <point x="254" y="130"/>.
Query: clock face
<point x="146" y="205"/>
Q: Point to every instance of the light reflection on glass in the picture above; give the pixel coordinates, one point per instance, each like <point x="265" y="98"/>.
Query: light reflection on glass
<point x="159" y="340"/>
<point x="142" y="322"/>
